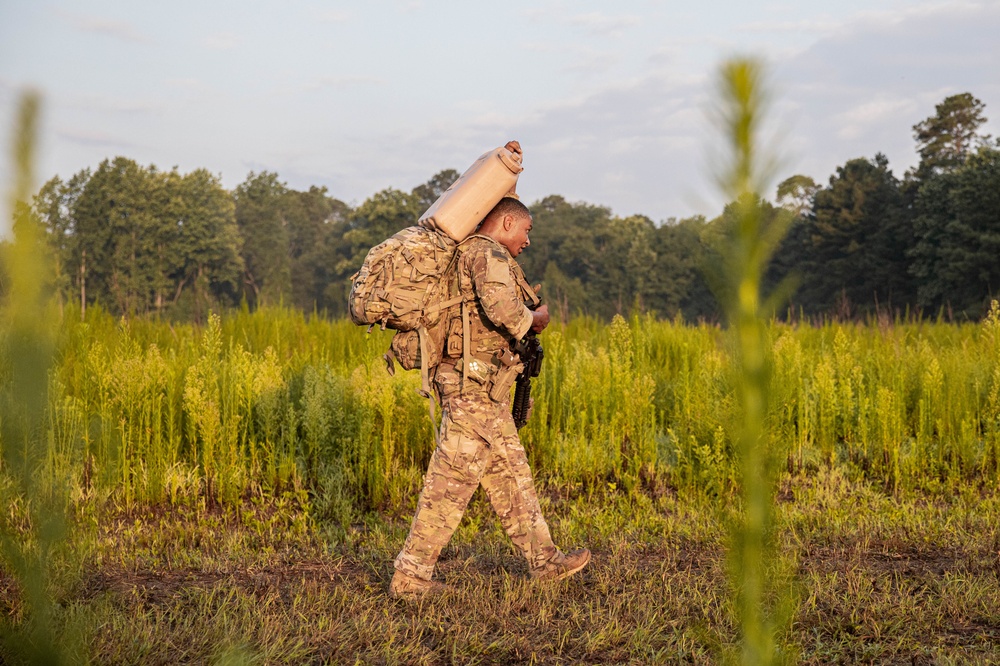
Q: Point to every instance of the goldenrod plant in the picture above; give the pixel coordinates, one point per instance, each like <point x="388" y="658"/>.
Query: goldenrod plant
<point x="745" y="252"/>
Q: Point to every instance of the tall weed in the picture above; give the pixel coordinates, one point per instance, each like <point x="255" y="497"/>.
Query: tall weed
<point x="34" y="441"/>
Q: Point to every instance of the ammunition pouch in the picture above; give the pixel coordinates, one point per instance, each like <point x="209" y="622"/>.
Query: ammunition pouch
<point x="453" y="343"/>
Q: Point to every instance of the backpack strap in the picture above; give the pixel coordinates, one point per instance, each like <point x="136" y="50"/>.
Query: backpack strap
<point x="466" y="342"/>
<point x="425" y="384"/>
<point x="466" y="336"/>
<point x="525" y="285"/>
<point x="443" y="305"/>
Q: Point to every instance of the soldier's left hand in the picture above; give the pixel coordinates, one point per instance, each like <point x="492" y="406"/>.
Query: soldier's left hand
<point x="540" y="318"/>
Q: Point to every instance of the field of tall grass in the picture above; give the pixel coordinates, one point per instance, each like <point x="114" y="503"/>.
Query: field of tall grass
<point x="143" y="413"/>
<point x="236" y="491"/>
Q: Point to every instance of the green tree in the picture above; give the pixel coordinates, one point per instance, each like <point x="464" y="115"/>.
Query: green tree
<point x="717" y="239"/>
<point x="945" y="139"/>
<point x="857" y="238"/>
<point x="625" y="246"/>
<point x="316" y="222"/>
<point x="199" y="244"/>
<point x="378" y="218"/>
<point x="566" y="237"/>
<point x="957" y="226"/>
<point x="796" y="194"/>
<point x="677" y="282"/>
<point x="53" y="207"/>
<point x="263" y="225"/>
<point x="117" y="235"/>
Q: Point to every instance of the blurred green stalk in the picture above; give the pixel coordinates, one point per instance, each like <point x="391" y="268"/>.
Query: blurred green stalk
<point x="748" y="249"/>
<point x="33" y="521"/>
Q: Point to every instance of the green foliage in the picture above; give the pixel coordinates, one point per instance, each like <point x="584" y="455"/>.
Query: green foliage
<point x="260" y="218"/>
<point x="868" y="243"/>
<point x="141" y="241"/>
<point x="856" y="241"/>
<point x="945" y="139"/>
<point x="257" y="403"/>
<point x="594" y="263"/>
<point x="957" y="232"/>
<point x="430" y="191"/>
<point x="33" y="497"/>
<point x="202" y="247"/>
<point x="138" y="241"/>
<point x="796" y="193"/>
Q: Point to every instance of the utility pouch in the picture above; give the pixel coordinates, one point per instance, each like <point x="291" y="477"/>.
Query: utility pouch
<point x="453" y="345"/>
<point x="476" y="369"/>
<point x="406" y="348"/>
<point x="504" y="379"/>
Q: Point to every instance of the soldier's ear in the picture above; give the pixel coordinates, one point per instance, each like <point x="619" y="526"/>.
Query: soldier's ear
<point x="508" y="222"/>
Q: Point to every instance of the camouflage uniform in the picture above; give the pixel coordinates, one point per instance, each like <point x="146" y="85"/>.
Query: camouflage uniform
<point x="478" y="442"/>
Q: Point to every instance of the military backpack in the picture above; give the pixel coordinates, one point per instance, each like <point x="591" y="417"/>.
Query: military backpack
<point x="408" y="283"/>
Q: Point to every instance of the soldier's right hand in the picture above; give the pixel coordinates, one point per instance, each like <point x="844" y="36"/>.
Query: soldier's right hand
<point x="514" y="147"/>
<point x="540" y="318"/>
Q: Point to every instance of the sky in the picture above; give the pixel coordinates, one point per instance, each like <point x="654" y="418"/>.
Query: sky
<point x="612" y="102"/>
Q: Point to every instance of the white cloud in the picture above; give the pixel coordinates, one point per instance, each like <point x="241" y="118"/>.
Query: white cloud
<point x="333" y="16"/>
<point x="120" y="30"/>
<point x="589" y="62"/>
<point x="824" y="25"/>
<point x="859" y="90"/>
<point x="534" y="14"/>
<point x="868" y="114"/>
<point x="339" y="82"/>
<point x="540" y="46"/>
<point x="221" y="41"/>
<point x="598" y="23"/>
<point x="113" y="105"/>
<point x="638" y="145"/>
<point x="186" y="83"/>
<point x="92" y="137"/>
<point x="407" y="6"/>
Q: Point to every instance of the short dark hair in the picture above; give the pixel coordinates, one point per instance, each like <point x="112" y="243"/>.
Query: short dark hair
<point x="509" y="206"/>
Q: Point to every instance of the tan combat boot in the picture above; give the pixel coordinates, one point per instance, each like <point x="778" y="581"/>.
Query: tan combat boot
<point x="563" y="565"/>
<point x="404" y="586"/>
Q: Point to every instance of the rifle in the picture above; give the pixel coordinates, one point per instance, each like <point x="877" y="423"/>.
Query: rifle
<point x="531" y="353"/>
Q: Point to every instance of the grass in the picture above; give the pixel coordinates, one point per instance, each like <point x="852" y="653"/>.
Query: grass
<point x="881" y="579"/>
<point x="142" y="413"/>
<point x="887" y="511"/>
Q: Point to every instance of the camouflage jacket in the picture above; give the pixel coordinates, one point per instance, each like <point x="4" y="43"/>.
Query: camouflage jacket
<point x="496" y="316"/>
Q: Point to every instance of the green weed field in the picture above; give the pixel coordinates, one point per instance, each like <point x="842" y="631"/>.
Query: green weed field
<point x="237" y="492"/>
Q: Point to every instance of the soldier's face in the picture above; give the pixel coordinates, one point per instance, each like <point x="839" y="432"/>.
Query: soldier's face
<point x="518" y="238"/>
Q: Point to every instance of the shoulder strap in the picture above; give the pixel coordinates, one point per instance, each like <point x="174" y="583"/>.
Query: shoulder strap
<point x="525" y="286"/>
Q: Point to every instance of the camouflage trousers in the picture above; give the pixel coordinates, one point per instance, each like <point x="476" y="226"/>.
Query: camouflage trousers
<point x="478" y="445"/>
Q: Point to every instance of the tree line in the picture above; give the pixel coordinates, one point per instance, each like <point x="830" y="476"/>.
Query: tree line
<point x="140" y="241"/>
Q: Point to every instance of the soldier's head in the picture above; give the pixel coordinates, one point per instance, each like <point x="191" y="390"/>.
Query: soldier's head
<point x="508" y="224"/>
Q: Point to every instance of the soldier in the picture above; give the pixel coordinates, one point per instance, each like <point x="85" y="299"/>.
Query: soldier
<point x="478" y="441"/>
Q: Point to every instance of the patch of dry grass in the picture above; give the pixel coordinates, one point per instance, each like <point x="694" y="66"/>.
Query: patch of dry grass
<point x="881" y="579"/>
